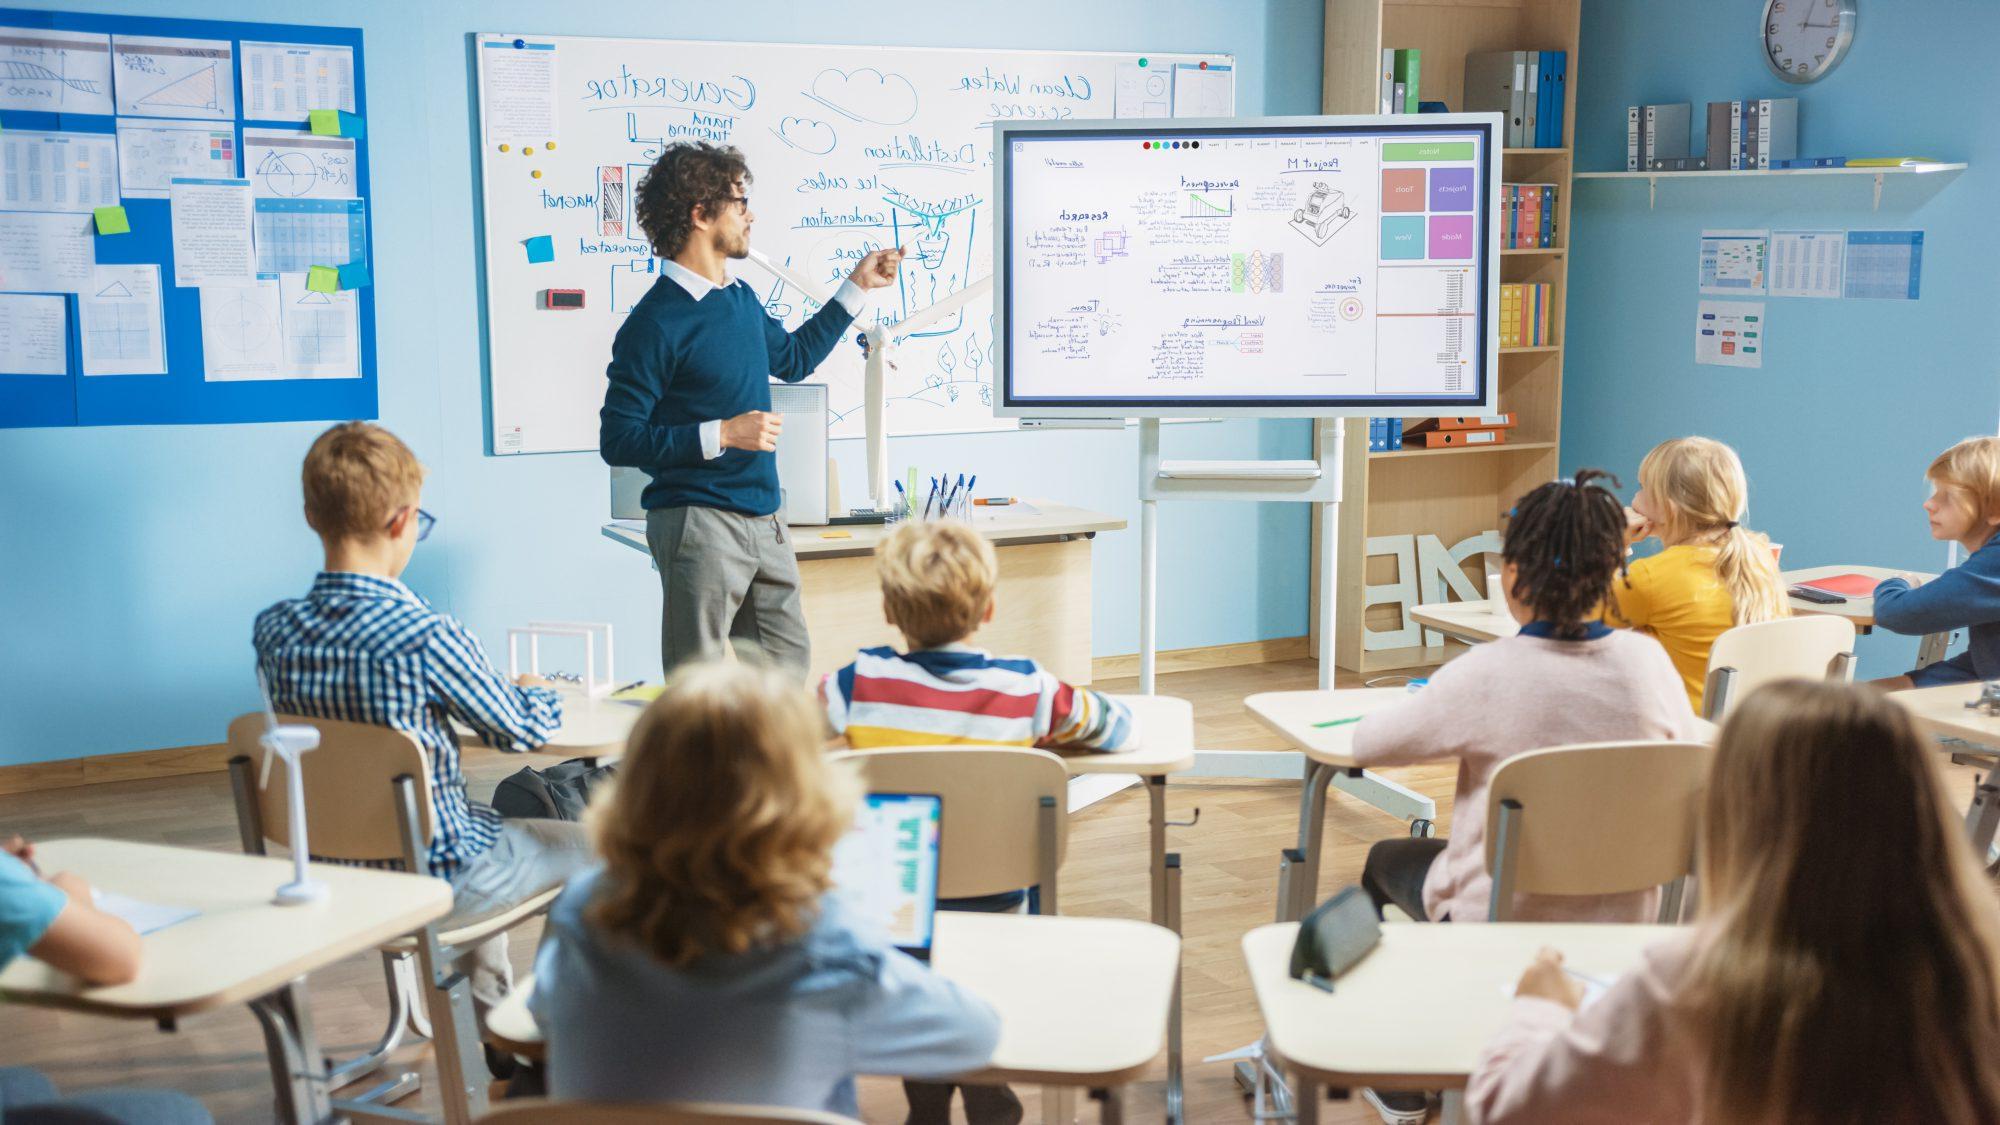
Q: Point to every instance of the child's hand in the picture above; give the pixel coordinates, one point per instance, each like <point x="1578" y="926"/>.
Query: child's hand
<point x="527" y="680"/>
<point x="1546" y="980"/>
<point x="1915" y="580"/>
<point x="73" y="885"/>
<point x="1637" y="526"/>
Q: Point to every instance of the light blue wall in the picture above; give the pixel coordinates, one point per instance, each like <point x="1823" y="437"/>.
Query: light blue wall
<point x="1855" y="397"/>
<point x="132" y="559"/>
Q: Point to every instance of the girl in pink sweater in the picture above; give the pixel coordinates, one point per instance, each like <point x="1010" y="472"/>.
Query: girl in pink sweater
<point x="1565" y="678"/>
<point x="1845" y="967"/>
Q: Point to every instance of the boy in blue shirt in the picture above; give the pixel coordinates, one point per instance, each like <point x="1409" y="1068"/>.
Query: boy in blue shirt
<point x="363" y="648"/>
<point x="1964" y="508"/>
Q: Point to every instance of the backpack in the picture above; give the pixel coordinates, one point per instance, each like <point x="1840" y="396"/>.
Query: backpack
<point x="557" y="793"/>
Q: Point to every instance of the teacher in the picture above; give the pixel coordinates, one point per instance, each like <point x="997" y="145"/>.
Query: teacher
<point x="690" y="403"/>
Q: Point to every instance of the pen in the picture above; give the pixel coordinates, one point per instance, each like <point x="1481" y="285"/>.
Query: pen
<point x="629" y="687"/>
<point x="1336" y="723"/>
<point x="902" y="498"/>
<point x="994" y="501"/>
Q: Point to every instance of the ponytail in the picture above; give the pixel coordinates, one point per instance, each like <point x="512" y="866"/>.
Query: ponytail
<point x="1699" y="484"/>
<point x="1749" y="571"/>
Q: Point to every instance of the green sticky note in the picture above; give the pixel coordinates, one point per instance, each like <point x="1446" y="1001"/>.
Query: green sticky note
<point x="353" y="275"/>
<point x="112" y="220"/>
<point x="325" y="122"/>
<point x="322" y="279"/>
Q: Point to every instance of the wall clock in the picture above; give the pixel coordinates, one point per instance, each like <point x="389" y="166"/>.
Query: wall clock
<point x="1805" y="39"/>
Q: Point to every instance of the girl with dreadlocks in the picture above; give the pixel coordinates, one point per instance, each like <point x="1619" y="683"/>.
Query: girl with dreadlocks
<point x="1566" y="678"/>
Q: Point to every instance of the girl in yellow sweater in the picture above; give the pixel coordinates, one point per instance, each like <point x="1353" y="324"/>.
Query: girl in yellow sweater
<point x="1714" y="573"/>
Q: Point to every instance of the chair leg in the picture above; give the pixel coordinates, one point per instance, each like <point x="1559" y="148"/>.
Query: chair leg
<point x="361" y="1066"/>
<point x="460" y="1062"/>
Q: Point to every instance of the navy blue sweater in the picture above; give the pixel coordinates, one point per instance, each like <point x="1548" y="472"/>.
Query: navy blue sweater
<point x="1965" y="597"/>
<point x="678" y="362"/>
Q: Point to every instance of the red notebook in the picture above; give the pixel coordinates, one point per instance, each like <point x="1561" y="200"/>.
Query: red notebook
<point x="1846" y="585"/>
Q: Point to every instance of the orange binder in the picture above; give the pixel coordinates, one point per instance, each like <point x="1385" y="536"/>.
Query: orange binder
<point x="1470" y="422"/>
<point x="1440" y="439"/>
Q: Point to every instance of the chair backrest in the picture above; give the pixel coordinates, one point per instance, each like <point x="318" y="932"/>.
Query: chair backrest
<point x="1606" y="818"/>
<point x="995" y="819"/>
<point x="350" y="790"/>
<point x="535" y="1111"/>
<point x="1745" y="658"/>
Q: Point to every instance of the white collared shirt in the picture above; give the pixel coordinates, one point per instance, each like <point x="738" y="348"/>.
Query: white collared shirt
<point x="849" y="296"/>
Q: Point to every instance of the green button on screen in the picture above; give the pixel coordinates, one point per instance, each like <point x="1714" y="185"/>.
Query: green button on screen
<point x="1440" y="150"/>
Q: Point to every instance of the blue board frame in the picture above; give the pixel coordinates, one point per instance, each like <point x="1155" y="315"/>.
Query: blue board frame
<point x="183" y="395"/>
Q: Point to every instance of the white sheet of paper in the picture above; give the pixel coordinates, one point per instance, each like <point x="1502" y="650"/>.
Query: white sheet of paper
<point x="520" y="102"/>
<point x="1143" y="91"/>
<point x="293" y="164"/>
<point x="153" y="153"/>
<point x="45" y="251"/>
<point x="1204" y="91"/>
<point x="120" y="322"/>
<point x="145" y="917"/>
<point x="212" y="243"/>
<point x="55" y="71"/>
<point x="1730" y="334"/>
<point x="322" y="331"/>
<point x="58" y="171"/>
<point x="34" y="333"/>
<point x="1734" y="263"/>
<point x="241" y="337"/>
<point x="174" y="77"/>
<point x="283" y="81"/>
<point x="1807" y="263"/>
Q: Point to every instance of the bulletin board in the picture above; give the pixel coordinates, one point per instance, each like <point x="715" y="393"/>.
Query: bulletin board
<point x="220" y="101"/>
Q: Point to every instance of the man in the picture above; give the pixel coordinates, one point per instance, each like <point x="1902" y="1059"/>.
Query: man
<point x="690" y="402"/>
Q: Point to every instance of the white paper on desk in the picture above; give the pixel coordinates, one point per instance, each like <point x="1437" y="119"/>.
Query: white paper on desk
<point x="294" y="164"/>
<point x="33" y="335"/>
<point x="322" y="330"/>
<point x="152" y="154"/>
<point x="119" y="319"/>
<point x="241" y="332"/>
<point x="520" y="91"/>
<point x="55" y="71"/>
<point x="145" y="917"/>
<point x="45" y="252"/>
<point x="212" y="242"/>
<point x="283" y="81"/>
<point x="174" y="77"/>
<point x="1807" y="263"/>
<point x="58" y="171"/>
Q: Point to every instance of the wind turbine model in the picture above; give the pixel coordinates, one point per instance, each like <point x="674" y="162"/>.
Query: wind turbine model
<point x="291" y="742"/>
<point x="877" y="346"/>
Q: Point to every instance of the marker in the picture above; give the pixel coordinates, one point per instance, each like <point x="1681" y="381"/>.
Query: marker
<point x="994" y="501"/>
<point x="1336" y="723"/>
<point x="902" y="498"/>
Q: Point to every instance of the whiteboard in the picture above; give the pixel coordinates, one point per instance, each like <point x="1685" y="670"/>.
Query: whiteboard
<point x="1265" y="267"/>
<point x="851" y="148"/>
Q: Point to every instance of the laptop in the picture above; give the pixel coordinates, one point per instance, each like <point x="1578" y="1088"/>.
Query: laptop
<point x="887" y="866"/>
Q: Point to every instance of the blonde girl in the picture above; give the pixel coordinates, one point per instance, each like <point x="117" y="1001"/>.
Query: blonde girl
<point x="1845" y="966"/>
<point x="1713" y="572"/>
<point x="704" y="959"/>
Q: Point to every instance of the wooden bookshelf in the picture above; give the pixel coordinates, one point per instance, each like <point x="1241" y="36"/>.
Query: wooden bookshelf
<point x="1458" y="492"/>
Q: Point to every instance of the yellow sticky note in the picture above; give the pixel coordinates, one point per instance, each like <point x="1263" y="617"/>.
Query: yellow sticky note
<point x="322" y="279"/>
<point x="836" y="535"/>
<point x="112" y="220"/>
<point x="325" y="122"/>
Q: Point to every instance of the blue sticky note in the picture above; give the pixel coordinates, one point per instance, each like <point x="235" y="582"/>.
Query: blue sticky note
<point x="541" y="248"/>
<point x="351" y="125"/>
<point x="354" y="275"/>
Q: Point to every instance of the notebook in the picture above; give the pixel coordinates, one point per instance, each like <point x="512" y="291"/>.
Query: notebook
<point x="887" y="866"/>
<point x="1846" y="585"/>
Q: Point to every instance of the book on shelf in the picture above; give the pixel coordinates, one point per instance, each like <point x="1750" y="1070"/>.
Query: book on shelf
<point x="1385" y="435"/>
<point x="1388" y="100"/>
<point x="1465" y="422"/>
<point x="1809" y="162"/>
<point x="1890" y="161"/>
<point x="1678" y="164"/>
<point x="1524" y="314"/>
<point x="1663" y="132"/>
<point x="1529" y="212"/>
<point x="1492" y="79"/>
<point x="1446" y="439"/>
<point x="1549" y="90"/>
<point x="1408" y="60"/>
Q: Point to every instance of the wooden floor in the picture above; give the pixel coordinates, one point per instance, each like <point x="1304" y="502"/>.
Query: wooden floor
<point x="1230" y="875"/>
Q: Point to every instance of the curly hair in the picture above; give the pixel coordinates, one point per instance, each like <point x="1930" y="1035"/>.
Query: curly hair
<point x="687" y="175"/>
<point x="718" y="836"/>
<point x="1566" y="539"/>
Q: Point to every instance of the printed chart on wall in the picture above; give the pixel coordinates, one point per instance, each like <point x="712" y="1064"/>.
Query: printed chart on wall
<point x="851" y="149"/>
<point x="183" y="222"/>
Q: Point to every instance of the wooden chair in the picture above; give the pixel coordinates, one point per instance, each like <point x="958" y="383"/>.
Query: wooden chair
<point x="1006" y="812"/>
<point x="1601" y="819"/>
<point x="1808" y="647"/>
<point x="536" y="1111"/>
<point x="367" y="791"/>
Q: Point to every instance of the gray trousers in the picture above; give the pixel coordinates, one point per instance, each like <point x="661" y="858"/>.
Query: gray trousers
<point x="529" y="857"/>
<point x="27" y="1097"/>
<point x="727" y="579"/>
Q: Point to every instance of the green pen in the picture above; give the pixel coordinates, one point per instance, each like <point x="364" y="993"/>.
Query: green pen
<point x="1336" y="723"/>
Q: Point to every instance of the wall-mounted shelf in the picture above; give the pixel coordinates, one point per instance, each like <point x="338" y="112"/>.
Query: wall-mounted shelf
<point x="1460" y="450"/>
<point x="1530" y="251"/>
<point x="1878" y="174"/>
<point x="1535" y="152"/>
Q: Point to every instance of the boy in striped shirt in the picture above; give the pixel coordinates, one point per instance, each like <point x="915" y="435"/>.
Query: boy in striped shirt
<point x="364" y="648"/>
<point x="937" y="590"/>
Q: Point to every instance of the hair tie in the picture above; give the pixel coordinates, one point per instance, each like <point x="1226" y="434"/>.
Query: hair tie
<point x="1730" y="526"/>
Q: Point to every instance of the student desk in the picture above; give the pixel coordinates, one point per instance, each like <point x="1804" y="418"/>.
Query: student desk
<point x="591" y="728"/>
<point x="1943" y="712"/>
<point x="1416" y="1011"/>
<point x="1292" y="715"/>
<point x="1475" y="623"/>
<point x="1082" y="1001"/>
<point x="1861" y="611"/>
<point x="1044" y="593"/>
<point x="241" y="949"/>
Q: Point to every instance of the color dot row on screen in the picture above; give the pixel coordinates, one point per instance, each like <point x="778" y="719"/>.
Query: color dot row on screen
<point x="1164" y="145"/>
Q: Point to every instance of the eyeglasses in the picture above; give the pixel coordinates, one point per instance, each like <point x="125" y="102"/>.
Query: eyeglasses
<point x="743" y="199"/>
<point x="425" y="521"/>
